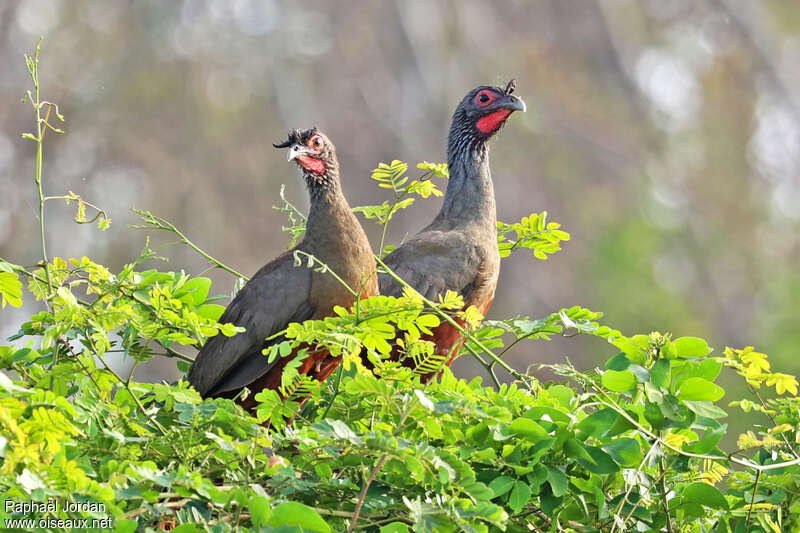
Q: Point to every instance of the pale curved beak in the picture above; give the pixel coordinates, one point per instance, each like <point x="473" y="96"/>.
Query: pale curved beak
<point x="293" y="152"/>
<point x="516" y="103"/>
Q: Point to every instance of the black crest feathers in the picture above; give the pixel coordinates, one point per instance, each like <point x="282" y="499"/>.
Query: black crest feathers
<point x="293" y="136"/>
<point x="296" y="136"/>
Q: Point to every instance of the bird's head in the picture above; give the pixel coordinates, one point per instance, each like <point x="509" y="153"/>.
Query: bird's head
<point x="484" y="110"/>
<point x="314" y="153"/>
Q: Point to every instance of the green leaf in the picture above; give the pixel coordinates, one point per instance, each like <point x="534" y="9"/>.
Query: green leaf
<point x="691" y="347"/>
<point x="597" y="424"/>
<point x="653" y="414"/>
<point x="259" y="510"/>
<point x="10" y="289"/>
<point x="619" y="362"/>
<point x="596" y="460"/>
<point x="194" y="291"/>
<point x="520" y="495"/>
<point x="210" y="311"/>
<point x="531" y="232"/>
<point x="706" y="409"/>
<point x="625" y="452"/>
<point x="617" y="381"/>
<point x="641" y="373"/>
<point x="539" y="412"/>
<point x="528" y="429"/>
<point x="700" y="389"/>
<point x="558" y="481"/>
<point x="660" y="373"/>
<point x="297" y="514"/>
<point x="709" y="369"/>
<point x="634" y="348"/>
<point x="704" y="494"/>
<point x="501" y="485"/>
<point x="439" y="169"/>
<point x="709" y="440"/>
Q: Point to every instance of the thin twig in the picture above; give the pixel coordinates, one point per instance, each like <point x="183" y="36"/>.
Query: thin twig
<point x="33" y="69"/>
<point x="335" y="391"/>
<point x="630" y="488"/>
<point x="172" y="505"/>
<point x="376" y="469"/>
<point x="364" y="489"/>
<point x="324" y="268"/>
<point x="155" y="222"/>
<point x="752" y="502"/>
<point x="72" y="196"/>
<point x="128" y="388"/>
<point x="664" y="493"/>
<point x="772" y="418"/>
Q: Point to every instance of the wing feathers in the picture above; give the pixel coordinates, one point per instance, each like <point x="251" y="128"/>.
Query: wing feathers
<point x="276" y="295"/>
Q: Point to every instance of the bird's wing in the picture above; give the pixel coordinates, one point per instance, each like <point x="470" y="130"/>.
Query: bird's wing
<point x="434" y="262"/>
<point x="276" y="295"/>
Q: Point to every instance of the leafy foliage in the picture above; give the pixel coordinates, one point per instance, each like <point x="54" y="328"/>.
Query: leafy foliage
<point x="393" y="176"/>
<point x="632" y="446"/>
<point x="532" y="232"/>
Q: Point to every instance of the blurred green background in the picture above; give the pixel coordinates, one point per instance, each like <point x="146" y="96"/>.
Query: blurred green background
<point x="665" y="136"/>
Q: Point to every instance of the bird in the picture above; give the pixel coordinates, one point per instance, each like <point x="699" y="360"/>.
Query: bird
<point x="282" y="292"/>
<point x="458" y="250"/>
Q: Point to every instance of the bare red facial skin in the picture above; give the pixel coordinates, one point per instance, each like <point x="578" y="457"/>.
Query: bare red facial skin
<point x="312" y="164"/>
<point x="492" y="121"/>
<point x="485" y="98"/>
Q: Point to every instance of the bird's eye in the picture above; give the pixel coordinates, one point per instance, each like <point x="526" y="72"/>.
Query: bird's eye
<point x="484" y="98"/>
<point x="315" y="142"/>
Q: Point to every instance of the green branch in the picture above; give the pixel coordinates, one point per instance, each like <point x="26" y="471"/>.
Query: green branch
<point x="42" y="125"/>
<point x="152" y="221"/>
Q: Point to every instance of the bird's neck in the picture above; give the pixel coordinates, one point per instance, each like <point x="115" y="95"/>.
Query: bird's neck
<point x="326" y="198"/>
<point x="469" y="198"/>
<point x="330" y="219"/>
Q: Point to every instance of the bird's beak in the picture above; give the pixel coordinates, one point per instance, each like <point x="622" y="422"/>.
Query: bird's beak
<point x="294" y="151"/>
<point x="515" y="104"/>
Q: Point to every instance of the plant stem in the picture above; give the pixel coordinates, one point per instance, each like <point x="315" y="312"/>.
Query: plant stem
<point x="375" y="471"/>
<point x="325" y="268"/>
<point x="33" y="68"/>
<point x="630" y="488"/>
<point x="155" y="222"/>
<point x="335" y="391"/>
<point x="752" y="501"/>
<point x="364" y="489"/>
<point x="664" y="493"/>
<point x="126" y="384"/>
<point x="70" y="197"/>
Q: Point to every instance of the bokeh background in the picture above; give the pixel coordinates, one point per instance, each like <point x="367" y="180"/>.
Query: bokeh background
<point x="665" y="136"/>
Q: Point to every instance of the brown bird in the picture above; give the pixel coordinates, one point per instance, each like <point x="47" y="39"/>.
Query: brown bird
<point x="458" y="250"/>
<point x="282" y="292"/>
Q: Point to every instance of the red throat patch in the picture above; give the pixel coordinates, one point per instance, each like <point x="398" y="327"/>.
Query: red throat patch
<point x="312" y="164"/>
<point x="492" y="121"/>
